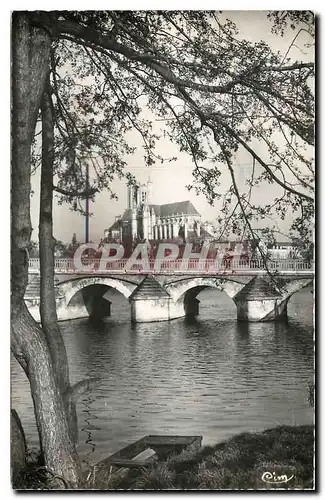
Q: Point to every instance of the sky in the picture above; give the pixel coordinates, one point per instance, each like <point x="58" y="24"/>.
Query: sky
<point x="169" y="180"/>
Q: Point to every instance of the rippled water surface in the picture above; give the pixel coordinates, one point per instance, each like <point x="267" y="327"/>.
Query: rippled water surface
<point x="210" y="376"/>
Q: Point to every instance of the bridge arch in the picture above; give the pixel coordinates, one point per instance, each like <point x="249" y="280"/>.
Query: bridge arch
<point x="179" y="289"/>
<point x="184" y="293"/>
<point x="68" y="289"/>
<point x="295" y="286"/>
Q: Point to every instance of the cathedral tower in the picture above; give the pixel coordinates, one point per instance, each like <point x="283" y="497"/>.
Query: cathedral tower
<point x="149" y="191"/>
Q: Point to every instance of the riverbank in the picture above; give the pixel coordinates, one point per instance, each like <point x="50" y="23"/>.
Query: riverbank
<point x="281" y="457"/>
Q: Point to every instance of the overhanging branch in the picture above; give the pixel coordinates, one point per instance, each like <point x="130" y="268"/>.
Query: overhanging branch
<point x="76" y="194"/>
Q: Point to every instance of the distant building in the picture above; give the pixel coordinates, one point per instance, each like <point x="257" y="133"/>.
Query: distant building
<point x="285" y="250"/>
<point x="114" y="233"/>
<point x="145" y="221"/>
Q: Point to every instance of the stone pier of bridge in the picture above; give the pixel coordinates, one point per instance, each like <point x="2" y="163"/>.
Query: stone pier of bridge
<point x="256" y="300"/>
<point x="163" y="298"/>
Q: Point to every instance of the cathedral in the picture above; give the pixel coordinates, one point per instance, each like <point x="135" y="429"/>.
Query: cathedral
<point x="145" y="221"/>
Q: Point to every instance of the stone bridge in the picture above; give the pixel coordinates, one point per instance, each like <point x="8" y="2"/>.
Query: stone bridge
<point x="166" y="296"/>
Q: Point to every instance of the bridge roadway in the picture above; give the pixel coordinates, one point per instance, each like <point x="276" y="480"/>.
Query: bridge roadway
<point x="166" y="289"/>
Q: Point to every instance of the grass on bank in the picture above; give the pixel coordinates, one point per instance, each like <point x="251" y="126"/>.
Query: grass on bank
<point x="237" y="463"/>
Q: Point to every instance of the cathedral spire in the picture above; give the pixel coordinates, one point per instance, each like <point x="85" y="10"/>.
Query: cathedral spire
<point x="149" y="190"/>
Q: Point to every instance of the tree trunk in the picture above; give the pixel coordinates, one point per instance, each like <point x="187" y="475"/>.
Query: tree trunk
<point x="46" y="247"/>
<point x="18" y="448"/>
<point x="31" y="350"/>
<point x="30" y="55"/>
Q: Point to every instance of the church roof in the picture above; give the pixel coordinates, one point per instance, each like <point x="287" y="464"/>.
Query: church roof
<point x="179" y="207"/>
<point x="127" y="215"/>
<point x="205" y="234"/>
<point x="115" y="225"/>
<point x="167" y="210"/>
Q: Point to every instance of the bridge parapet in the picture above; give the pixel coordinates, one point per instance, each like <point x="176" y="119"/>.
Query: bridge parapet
<point x="192" y="266"/>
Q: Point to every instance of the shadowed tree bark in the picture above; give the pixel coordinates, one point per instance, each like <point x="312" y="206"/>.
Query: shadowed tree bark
<point x="48" y="313"/>
<point x="18" y="447"/>
<point x="30" y="56"/>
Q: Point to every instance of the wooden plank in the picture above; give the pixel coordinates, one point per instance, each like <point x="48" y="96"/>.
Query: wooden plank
<point x="140" y="460"/>
<point x="131" y="464"/>
<point x="168" y="445"/>
<point x="145" y="454"/>
<point x="129" y="451"/>
<point x="157" y="440"/>
<point x="144" y="457"/>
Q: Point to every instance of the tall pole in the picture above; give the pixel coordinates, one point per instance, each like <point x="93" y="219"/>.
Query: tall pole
<point x="87" y="207"/>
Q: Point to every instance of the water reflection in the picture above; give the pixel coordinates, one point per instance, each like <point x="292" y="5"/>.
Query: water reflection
<point x="88" y="418"/>
<point x="208" y="375"/>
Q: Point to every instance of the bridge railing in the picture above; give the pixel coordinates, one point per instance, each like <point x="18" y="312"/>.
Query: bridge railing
<point x="33" y="264"/>
<point x="91" y="265"/>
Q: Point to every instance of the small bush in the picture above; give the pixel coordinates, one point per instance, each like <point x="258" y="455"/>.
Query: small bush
<point x="34" y="477"/>
<point x="160" y="477"/>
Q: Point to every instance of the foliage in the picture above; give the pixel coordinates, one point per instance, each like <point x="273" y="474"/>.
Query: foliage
<point x="217" y="94"/>
<point x="282" y="19"/>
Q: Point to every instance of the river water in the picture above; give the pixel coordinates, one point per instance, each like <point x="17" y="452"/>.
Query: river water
<point x="210" y="376"/>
